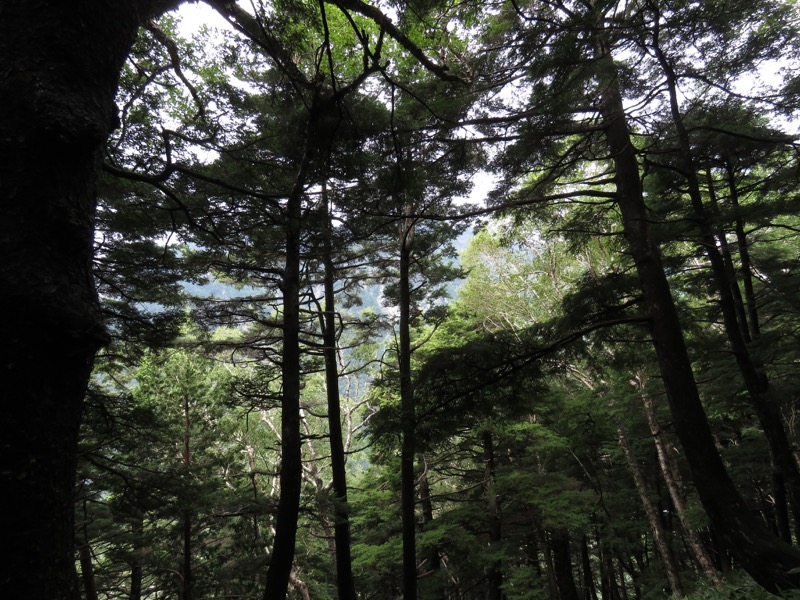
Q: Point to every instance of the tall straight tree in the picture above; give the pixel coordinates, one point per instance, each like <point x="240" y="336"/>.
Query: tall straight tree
<point x="424" y="180"/>
<point x="319" y="94"/>
<point x="344" y="562"/>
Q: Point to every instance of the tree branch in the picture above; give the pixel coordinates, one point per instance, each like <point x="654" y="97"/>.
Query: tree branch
<point x="386" y="24"/>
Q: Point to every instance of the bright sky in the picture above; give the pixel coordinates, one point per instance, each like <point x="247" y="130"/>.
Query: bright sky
<point x="194" y="15"/>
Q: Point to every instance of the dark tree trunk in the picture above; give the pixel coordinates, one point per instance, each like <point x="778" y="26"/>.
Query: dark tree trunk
<point x="755" y="379"/>
<point x="727" y="258"/>
<point x="764" y="556"/>
<point x="552" y="582"/>
<point x="341" y="529"/>
<point x="589" y="588"/>
<point x="431" y="582"/>
<point x="186" y="567"/>
<point x="186" y="526"/>
<point x="609" y="590"/>
<point x="407" y="419"/>
<point x="135" y="562"/>
<point x="59" y="68"/>
<point x="291" y="471"/>
<point x="86" y="558"/>
<point x="494" y="516"/>
<point x="87" y="572"/>
<point x="744" y="257"/>
<point x="562" y="564"/>
<point x="735" y="313"/>
<point x="780" y="507"/>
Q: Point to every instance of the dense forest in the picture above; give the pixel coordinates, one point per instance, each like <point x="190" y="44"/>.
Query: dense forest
<point x="426" y="300"/>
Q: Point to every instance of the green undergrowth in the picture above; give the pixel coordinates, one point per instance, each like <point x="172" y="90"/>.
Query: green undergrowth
<point x="737" y="586"/>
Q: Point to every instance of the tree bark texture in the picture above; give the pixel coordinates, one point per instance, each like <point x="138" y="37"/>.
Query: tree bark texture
<point x="59" y="69"/>
<point x="765" y="557"/>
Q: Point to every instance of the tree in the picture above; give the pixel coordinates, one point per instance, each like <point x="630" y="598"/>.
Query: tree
<point x="176" y="486"/>
<point x="579" y="86"/>
<point x="61" y="79"/>
<point x="61" y="65"/>
<point x="735" y="322"/>
<point x="690" y="421"/>
<point x="594" y="128"/>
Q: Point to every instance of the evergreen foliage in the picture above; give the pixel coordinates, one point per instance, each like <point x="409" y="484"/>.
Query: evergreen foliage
<point x="300" y="363"/>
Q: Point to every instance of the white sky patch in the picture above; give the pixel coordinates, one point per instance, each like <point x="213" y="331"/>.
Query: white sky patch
<point x="192" y="16"/>
<point x="482" y="183"/>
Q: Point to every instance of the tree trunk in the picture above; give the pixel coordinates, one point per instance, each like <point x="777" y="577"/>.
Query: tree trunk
<point x="755" y="379"/>
<point x="589" y="588"/>
<point x="676" y="491"/>
<point x="345" y="584"/>
<point x="407" y="419"/>
<point x="550" y="570"/>
<point x="727" y="260"/>
<point x="609" y="590"/>
<point x="186" y="566"/>
<point x="765" y="557"/>
<point x="653" y="517"/>
<point x="744" y="257"/>
<point x="291" y="471"/>
<point x="780" y="506"/>
<point x="495" y="570"/>
<point x="86" y="558"/>
<point x="87" y="572"/>
<point x="431" y="583"/>
<point x="562" y="564"/>
<point x="299" y="586"/>
<point x="746" y="270"/>
<point x="186" y="526"/>
<point x="135" y="561"/>
<point x="59" y="69"/>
